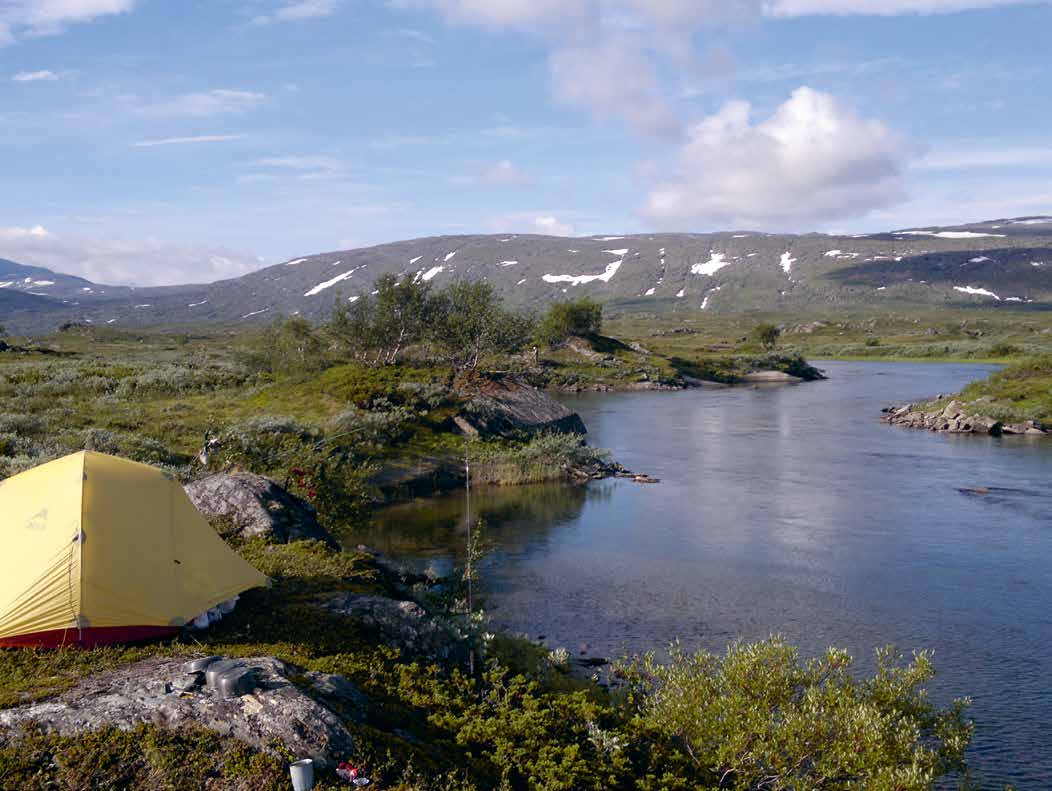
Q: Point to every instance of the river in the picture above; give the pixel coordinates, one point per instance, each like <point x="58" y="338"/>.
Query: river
<point x="788" y="510"/>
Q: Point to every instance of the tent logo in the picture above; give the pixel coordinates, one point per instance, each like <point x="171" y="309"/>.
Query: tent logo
<point x="37" y="521"/>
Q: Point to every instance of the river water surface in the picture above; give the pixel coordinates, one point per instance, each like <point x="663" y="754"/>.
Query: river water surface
<point x="789" y="510"/>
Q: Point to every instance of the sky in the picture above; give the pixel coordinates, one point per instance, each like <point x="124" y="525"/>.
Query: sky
<point x="154" y="142"/>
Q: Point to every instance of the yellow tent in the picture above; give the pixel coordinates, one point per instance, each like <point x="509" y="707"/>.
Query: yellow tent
<point x="96" y="549"/>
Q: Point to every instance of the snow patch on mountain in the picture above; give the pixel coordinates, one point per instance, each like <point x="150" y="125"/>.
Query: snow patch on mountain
<point x="578" y="280"/>
<point x="715" y="263"/>
<point x="331" y="282"/>
<point x="950" y="234"/>
<point x="975" y="291"/>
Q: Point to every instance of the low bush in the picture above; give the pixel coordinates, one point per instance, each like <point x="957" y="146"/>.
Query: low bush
<point x="759" y="717"/>
<point x="145" y="757"/>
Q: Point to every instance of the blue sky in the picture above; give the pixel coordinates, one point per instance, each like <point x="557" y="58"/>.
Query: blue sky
<point x="155" y="142"/>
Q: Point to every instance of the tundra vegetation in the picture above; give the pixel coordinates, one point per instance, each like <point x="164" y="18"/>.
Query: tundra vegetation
<point x="376" y="385"/>
<point x="756" y="717"/>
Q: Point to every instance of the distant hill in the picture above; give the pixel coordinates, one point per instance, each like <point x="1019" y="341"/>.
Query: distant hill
<point x="1004" y="263"/>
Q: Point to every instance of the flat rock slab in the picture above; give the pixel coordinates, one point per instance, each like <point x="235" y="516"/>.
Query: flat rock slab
<point x="156" y="691"/>
<point x="771" y="377"/>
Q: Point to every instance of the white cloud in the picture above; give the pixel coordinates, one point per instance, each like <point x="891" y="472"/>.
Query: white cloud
<point x="300" y="11"/>
<point x="18" y="234"/>
<point x="783" y="8"/>
<point x="985" y="157"/>
<point x="145" y="262"/>
<point x="306" y="168"/>
<point x="372" y="210"/>
<point x="300" y="163"/>
<point x="47" y="17"/>
<point x="500" y="13"/>
<point x="812" y="160"/>
<point x="504" y="173"/>
<point x="532" y="222"/>
<point x="549" y="224"/>
<point x="607" y="55"/>
<point x="300" y="167"/>
<point x="45" y="75"/>
<point x="222" y="101"/>
<point x="182" y="141"/>
<point x="694" y="13"/>
<point x="616" y="80"/>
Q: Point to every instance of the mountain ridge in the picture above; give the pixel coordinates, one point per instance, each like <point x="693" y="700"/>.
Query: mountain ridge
<point x="1001" y="263"/>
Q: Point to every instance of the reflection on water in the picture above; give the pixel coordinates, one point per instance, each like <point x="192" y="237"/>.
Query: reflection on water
<point x="433" y="531"/>
<point x="789" y="510"/>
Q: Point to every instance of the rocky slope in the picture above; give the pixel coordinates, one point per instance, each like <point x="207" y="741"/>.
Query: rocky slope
<point x="1001" y="263"/>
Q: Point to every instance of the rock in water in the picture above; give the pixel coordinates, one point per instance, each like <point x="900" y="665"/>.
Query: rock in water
<point x="154" y="692"/>
<point x="507" y="407"/>
<point x="257" y="506"/>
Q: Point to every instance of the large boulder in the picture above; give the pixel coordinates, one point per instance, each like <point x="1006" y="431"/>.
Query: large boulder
<point x="508" y="407"/>
<point x="159" y="691"/>
<point x="257" y="506"/>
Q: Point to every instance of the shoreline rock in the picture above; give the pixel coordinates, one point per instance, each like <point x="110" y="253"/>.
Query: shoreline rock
<point x="958" y="417"/>
<point x="508" y="407"/>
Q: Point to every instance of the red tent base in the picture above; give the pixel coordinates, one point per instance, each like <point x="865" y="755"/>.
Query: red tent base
<point x="88" y="638"/>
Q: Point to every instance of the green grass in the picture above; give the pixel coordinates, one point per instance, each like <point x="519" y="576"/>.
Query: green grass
<point x="1022" y="391"/>
<point x="523" y="723"/>
<point x="929" y="334"/>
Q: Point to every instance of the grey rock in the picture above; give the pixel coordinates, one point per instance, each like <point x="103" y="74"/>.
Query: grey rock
<point x="982" y="424"/>
<point x="275" y="710"/>
<point x="405" y="625"/>
<point x="257" y="506"/>
<point x="341" y="692"/>
<point x="771" y="377"/>
<point x="508" y="407"/>
<point x="955" y="420"/>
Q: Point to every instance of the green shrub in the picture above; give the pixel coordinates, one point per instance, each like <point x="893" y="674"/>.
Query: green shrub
<point x="766" y="335"/>
<point x="1004" y="350"/>
<point x="146" y="757"/>
<point x="564" y="320"/>
<point x="759" y="717"/>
